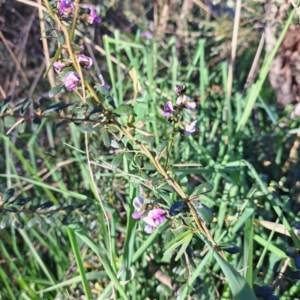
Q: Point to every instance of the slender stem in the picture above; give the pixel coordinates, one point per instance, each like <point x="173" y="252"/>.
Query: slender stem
<point x="172" y="138"/>
<point x="74" y="20"/>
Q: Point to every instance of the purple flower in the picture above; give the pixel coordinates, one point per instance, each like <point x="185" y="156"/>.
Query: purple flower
<point x="186" y="101"/>
<point x="59" y="65"/>
<point x="71" y="80"/>
<point x="147" y="35"/>
<point x="138" y="203"/>
<point x="93" y="16"/>
<point x="154" y="218"/>
<point x="190" y="128"/>
<point x="168" y="109"/>
<point x="66" y="6"/>
<point x="178" y="89"/>
<point x="106" y="86"/>
<point x="85" y="60"/>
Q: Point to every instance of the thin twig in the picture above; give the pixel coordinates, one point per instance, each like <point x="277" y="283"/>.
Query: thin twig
<point x="16" y="61"/>
<point x="281" y="273"/>
<point x="233" y="46"/>
<point x="250" y="77"/>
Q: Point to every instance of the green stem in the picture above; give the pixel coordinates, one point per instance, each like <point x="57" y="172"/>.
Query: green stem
<point x="74" y="19"/>
<point x="77" y="255"/>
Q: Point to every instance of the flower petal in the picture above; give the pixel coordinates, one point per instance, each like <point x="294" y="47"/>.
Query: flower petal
<point x="138" y="202"/>
<point x="190" y="105"/>
<point x="149" y="229"/>
<point x="149" y="221"/>
<point x="138" y="215"/>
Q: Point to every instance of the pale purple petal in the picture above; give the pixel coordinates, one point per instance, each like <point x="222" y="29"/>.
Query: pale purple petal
<point x="149" y="229"/>
<point x="149" y="221"/>
<point x="161" y="219"/>
<point x="106" y="86"/>
<point x="85" y="60"/>
<point x="190" y="105"/>
<point x="71" y="80"/>
<point x="157" y="212"/>
<point x="138" y="215"/>
<point x="190" y="128"/>
<point x="58" y="65"/>
<point x="168" y="109"/>
<point x="93" y="16"/>
<point x="138" y="202"/>
<point x="179" y="100"/>
<point x="65" y="4"/>
<point x="147" y="35"/>
<point x="178" y="89"/>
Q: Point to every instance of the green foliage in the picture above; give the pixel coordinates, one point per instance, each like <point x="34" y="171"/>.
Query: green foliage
<point x="74" y="165"/>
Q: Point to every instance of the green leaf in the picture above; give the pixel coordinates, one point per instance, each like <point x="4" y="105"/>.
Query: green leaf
<point x="57" y="54"/>
<point x="8" y="194"/>
<point x="105" y="138"/>
<point x="240" y="289"/>
<point x="186" y="242"/>
<point x="203" y="212"/>
<point x="57" y="107"/>
<point x="5" y="221"/>
<point x="62" y="123"/>
<point x="117" y="160"/>
<point x="16" y="221"/>
<point x="60" y="38"/>
<point x="4" y="106"/>
<point x="123" y="110"/>
<point x="146" y="139"/>
<point x="9" y="121"/>
<point x="179" y="239"/>
<point x="161" y="146"/>
<point x="55" y="90"/>
<point x="115" y="144"/>
<point x="85" y="127"/>
<point x="203" y="189"/>
<point x="21" y="127"/>
<point x="25" y="105"/>
<point x="101" y="254"/>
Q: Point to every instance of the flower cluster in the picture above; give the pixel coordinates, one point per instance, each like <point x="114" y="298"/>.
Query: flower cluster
<point x="154" y="217"/>
<point x="182" y="101"/>
<point x="66" y="7"/>
<point x="71" y="79"/>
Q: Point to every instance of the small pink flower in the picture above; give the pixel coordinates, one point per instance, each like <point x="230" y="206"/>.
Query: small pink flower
<point x="168" y="109"/>
<point x="71" y="80"/>
<point x="65" y="6"/>
<point x="59" y="65"/>
<point x="154" y="218"/>
<point x="186" y="101"/>
<point x="93" y="16"/>
<point x="138" y="203"/>
<point x="190" y="128"/>
<point x="85" y="60"/>
<point x="147" y="35"/>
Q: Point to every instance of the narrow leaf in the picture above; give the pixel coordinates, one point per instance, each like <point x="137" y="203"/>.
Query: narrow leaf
<point x="101" y="254"/>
